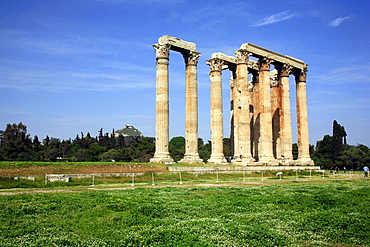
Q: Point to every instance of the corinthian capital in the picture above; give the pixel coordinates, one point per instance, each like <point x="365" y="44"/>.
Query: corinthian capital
<point x="191" y="57"/>
<point x="215" y="64"/>
<point x="162" y="50"/>
<point x="264" y="63"/>
<point x="301" y="75"/>
<point x="242" y="56"/>
<point x="286" y="70"/>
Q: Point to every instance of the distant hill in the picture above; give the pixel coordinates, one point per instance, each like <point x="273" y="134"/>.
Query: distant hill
<point x="129" y="130"/>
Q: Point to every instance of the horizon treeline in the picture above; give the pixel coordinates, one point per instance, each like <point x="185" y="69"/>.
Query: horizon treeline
<point x="333" y="151"/>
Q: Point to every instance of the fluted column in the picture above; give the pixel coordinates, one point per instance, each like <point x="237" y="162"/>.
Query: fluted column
<point x="237" y="154"/>
<point x="191" y="114"/>
<point x="161" y="154"/>
<point x="217" y="155"/>
<point x="285" y="115"/>
<point x="276" y="111"/>
<point x="232" y="105"/>
<point x="243" y="108"/>
<point x="302" y="118"/>
<point x="255" y="122"/>
<point x="265" y="141"/>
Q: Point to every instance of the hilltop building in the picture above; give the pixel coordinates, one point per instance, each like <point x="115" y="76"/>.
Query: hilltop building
<point x="128" y="131"/>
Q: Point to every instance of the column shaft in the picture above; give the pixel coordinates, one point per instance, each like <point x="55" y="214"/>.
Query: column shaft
<point x="302" y="119"/>
<point x="256" y="115"/>
<point x="265" y="142"/>
<point x="235" y="115"/>
<point x="285" y="115"/>
<point x="276" y="115"/>
<point x="243" y="109"/>
<point x="217" y="155"/>
<point x="191" y="115"/>
<point x="161" y="154"/>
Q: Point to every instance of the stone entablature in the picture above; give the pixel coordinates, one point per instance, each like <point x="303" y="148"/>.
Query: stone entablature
<point x="177" y="44"/>
<point x="260" y="52"/>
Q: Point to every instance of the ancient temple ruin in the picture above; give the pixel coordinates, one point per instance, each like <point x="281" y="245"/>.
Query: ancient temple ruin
<point x="261" y="126"/>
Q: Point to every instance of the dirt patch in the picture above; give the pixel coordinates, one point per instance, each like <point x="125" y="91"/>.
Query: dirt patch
<point x="39" y="171"/>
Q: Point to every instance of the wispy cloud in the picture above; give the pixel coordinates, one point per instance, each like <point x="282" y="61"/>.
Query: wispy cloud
<point x="282" y="16"/>
<point x="68" y="44"/>
<point x="70" y="80"/>
<point x="340" y="20"/>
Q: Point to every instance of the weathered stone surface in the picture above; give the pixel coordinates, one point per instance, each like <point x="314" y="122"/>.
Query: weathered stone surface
<point x="176" y="43"/>
<point x="217" y="155"/>
<point x="162" y="154"/>
<point x="191" y="109"/>
<point x="260" y="52"/>
<point x="191" y="56"/>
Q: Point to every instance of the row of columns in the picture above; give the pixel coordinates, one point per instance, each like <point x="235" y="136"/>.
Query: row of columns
<point x="261" y="129"/>
<point x="161" y="154"/>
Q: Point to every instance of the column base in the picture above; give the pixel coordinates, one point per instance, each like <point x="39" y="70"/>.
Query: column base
<point x="266" y="159"/>
<point x="217" y="159"/>
<point x="236" y="159"/>
<point x="161" y="158"/>
<point x="191" y="159"/>
<point x="247" y="160"/>
<point x="305" y="161"/>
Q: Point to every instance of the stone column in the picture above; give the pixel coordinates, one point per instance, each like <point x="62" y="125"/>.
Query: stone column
<point x="265" y="141"/>
<point x="161" y="154"/>
<point x="276" y="113"/>
<point x="243" y="108"/>
<point x="233" y="100"/>
<point x="285" y="115"/>
<point x="302" y="118"/>
<point x="217" y="155"/>
<point x="191" y="115"/>
<point x="255" y="122"/>
<point x="237" y="132"/>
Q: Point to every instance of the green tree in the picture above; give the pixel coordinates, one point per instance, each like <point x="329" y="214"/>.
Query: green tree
<point x="95" y="151"/>
<point x="17" y="143"/>
<point x="355" y="157"/>
<point x="111" y="155"/>
<point x="204" y="150"/>
<point x="177" y="148"/>
<point x="295" y="151"/>
<point x="323" y="155"/>
<point x="337" y="140"/>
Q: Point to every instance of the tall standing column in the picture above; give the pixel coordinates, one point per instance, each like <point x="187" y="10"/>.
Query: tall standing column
<point x="233" y="101"/>
<point x="285" y="115"/>
<point x="217" y="155"/>
<point x="161" y="154"/>
<point x="237" y="132"/>
<point x="276" y="113"/>
<point x="191" y="115"/>
<point x="255" y="121"/>
<point x="265" y="141"/>
<point x="244" y="119"/>
<point x="302" y="118"/>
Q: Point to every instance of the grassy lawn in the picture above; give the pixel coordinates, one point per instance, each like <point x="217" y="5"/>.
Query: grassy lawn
<point x="317" y="213"/>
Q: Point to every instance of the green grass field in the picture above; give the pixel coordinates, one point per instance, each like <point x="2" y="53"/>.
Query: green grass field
<point x="319" y="213"/>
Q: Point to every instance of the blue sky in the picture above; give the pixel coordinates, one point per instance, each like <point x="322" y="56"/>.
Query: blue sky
<point x="81" y="65"/>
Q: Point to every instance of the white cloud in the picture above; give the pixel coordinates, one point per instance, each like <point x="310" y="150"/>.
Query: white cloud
<point x="339" y="21"/>
<point x="274" y="18"/>
<point x="44" y="80"/>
